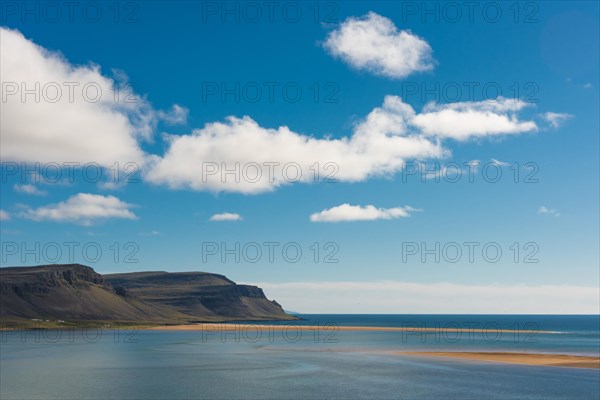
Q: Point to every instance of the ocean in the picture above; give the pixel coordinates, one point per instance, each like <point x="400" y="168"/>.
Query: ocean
<point x="258" y="362"/>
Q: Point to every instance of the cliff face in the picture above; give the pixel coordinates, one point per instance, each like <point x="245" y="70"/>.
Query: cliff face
<point x="71" y="292"/>
<point x="77" y="293"/>
<point x="200" y="295"/>
<point x="44" y="279"/>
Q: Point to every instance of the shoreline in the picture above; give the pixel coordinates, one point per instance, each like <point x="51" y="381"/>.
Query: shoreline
<point x="343" y="328"/>
<point x="536" y="359"/>
<point x="228" y="325"/>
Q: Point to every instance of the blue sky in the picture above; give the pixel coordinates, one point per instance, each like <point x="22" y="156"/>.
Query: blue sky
<point x="387" y="101"/>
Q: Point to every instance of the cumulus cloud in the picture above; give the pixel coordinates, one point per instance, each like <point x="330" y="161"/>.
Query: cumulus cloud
<point x="261" y="158"/>
<point x="225" y="217"/>
<point x="57" y="112"/>
<point x="28" y="188"/>
<point x="465" y="120"/>
<point x="347" y="212"/>
<point x="556" y="119"/>
<point x="397" y="297"/>
<point x="83" y="209"/>
<point x="270" y="157"/>
<point x="548" y="211"/>
<point x="64" y="125"/>
<point x="380" y="144"/>
<point x="374" y="43"/>
<point x="4" y="216"/>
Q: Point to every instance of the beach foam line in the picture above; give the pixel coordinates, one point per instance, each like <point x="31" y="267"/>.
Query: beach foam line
<point x="547" y="360"/>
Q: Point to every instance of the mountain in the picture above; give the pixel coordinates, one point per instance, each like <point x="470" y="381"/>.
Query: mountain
<point x="76" y="293"/>
<point x="199" y="294"/>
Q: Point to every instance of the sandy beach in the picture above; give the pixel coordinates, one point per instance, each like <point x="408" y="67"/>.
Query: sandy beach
<point x="328" y="328"/>
<point x="550" y="360"/>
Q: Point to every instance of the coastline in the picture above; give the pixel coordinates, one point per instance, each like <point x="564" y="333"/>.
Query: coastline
<point x="332" y="327"/>
<point x="214" y="325"/>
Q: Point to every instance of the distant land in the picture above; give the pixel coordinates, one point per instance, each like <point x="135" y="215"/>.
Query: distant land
<point x="76" y="294"/>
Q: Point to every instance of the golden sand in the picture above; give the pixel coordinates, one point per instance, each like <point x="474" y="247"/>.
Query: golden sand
<point x="550" y="360"/>
<point x="330" y="328"/>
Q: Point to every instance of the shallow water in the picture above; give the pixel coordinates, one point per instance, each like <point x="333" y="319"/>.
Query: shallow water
<point x="239" y="365"/>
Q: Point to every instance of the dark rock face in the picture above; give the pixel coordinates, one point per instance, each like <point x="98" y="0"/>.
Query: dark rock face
<point x="200" y="294"/>
<point x="77" y="292"/>
<point x="44" y="278"/>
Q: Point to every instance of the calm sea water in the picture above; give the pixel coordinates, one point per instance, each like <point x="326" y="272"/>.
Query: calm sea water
<point x="288" y="364"/>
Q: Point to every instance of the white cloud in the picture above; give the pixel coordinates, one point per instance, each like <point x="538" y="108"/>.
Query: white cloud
<point x="374" y="43"/>
<point x="396" y="297"/>
<point x="111" y="185"/>
<point x="225" y="217"/>
<point x="549" y="211"/>
<point x="347" y="212"/>
<point x="71" y="129"/>
<point x="176" y="115"/>
<point x="499" y="163"/>
<point x="74" y="114"/>
<point x="4" y="216"/>
<point x="380" y="145"/>
<point x="82" y="208"/>
<point x="588" y="85"/>
<point x="28" y="188"/>
<point x="556" y="119"/>
<point x="106" y="132"/>
<point x="466" y="120"/>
